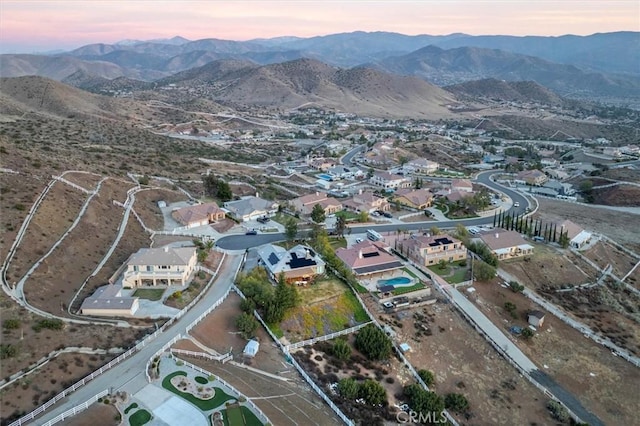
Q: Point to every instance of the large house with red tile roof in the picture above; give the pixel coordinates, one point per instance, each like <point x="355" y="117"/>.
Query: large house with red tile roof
<point x="368" y="258"/>
<point x="366" y="202"/>
<point x="304" y="205"/>
<point x="198" y="215"/>
<point x="414" y="198"/>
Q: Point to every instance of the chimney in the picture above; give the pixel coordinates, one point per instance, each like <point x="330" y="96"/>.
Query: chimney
<point x="360" y="254"/>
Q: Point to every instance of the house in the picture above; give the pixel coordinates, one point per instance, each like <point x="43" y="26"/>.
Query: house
<point x="249" y="208"/>
<point x="414" y="198"/>
<point x="506" y="244"/>
<point x="366" y="202"/>
<point x="388" y="180"/>
<point x="536" y="318"/>
<point x="532" y="177"/>
<point x="454" y="196"/>
<point x="304" y="205"/>
<point x="368" y="258"/>
<point x="299" y="265"/>
<point x="160" y="266"/>
<point x="578" y="237"/>
<point x="462" y="185"/>
<point x="421" y="166"/>
<point x="431" y="249"/>
<point x="198" y="215"/>
<point x="341" y="172"/>
<point x="251" y="348"/>
<point x="107" y="301"/>
<point x="321" y="164"/>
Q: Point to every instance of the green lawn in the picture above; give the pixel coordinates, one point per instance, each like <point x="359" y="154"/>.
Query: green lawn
<point x="202" y="380"/>
<point x="337" y="243"/>
<point x="149" y="293"/>
<point x="282" y="218"/>
<point x="459" y="272"/>
<point x="348" y="215"/>
<point x="241" y="416"/>
<point x="140" y="418"/>
<point x="204" y="405"/>
<point x="402" y="290"/>
<point x="131" y="407"/>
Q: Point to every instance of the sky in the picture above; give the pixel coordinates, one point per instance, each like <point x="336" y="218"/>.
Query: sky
<point x="28" y="26"/>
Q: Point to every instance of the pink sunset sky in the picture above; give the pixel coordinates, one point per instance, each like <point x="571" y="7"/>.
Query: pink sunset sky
<point x="28" y="25"/>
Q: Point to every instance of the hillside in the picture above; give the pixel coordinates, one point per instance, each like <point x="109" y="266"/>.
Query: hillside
<point x="453" y="66"/>
<point x="50" y="98"/>
<point x="513" y="91"/>
<point x="291" y="84"/>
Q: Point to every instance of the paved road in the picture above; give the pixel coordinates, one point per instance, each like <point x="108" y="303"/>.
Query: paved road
<point x="129" y="375"/>
<point x="241" y="242"/>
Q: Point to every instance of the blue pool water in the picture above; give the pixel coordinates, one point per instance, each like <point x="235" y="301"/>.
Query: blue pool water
<point x="396" y="282"/>
<point x="325" y="177"/>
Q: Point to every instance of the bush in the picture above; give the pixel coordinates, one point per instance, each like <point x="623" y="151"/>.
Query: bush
<point x="456" y="402"/>
<point x="516" y="287"/>
<point x="348" y="388"/>
<point x="527" y="333"/>
<point x="558" y="411"/>
<point x="372" y="392"/>
<point x="427" y="377"/>
<point x="373" y="343"/>
<point x="341" y="350"/>
<point x="11" y="324"/>
<point x="50" y="324"/>
<point x="247" y="325"/>
<point x="8" y="351"/>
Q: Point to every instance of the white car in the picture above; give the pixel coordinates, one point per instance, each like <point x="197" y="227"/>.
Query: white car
<point x="516" y="204"/>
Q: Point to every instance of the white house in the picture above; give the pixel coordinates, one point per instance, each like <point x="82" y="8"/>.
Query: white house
<point x="389" y="181"/>
<point x="249" y="208"/>
<point x="160" y="266"/>
<point x="421" y="166"/>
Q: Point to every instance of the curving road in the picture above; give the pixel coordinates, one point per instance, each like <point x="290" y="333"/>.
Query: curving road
<point x="243" y="242"/>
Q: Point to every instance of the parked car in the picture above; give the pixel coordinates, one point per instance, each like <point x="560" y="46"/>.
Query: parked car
<point x="387" y="214"/>
<point x="252" y="232"/>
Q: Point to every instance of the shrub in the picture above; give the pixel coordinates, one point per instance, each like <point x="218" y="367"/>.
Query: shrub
<point x="348" y="388"/>
<point x="341" y="350"/>
<point x="427" y="377"/>
<point x="247" y="324"/>
<point x="372" y="392"/>
<point x="456" y="402"/>
<point x="373" y="343"/>
<point x="558" y="411"/>
<point x="11" y="324"/>
<point x="8" y="351"/>
<point x="48" y="323"/>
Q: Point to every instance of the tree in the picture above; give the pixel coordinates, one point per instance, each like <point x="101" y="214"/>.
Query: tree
<point x="341" y="350"/>
<point x="516" y="287"/>
<point x="435" y="230"/>
<point x="341" y="225"/>
<point x="527" y="333"/>
<point x="217" y="188"/>
<point x="144" y="180"/>
<point x="373" y="343"/>
<point x="348" y="388"/>
<point x="423" y="401"/>
<point x="317" y="214"/>
<point x="372" y="392"/>
<point x="247" y="305"/>
<point x="290" y="229"/>
<point x="511" y="308"/>
<point x="442" y="264"/>
<point x="427" y="377"/>
<point x="247" y="325"/>
<point x="363" y="216"/>
<point x="456" y="402"/>
<point x="482" y="271"/>
<point x="564" y="239"/>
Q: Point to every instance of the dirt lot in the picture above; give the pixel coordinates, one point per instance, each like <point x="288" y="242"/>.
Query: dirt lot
<point x="25" y="395"/>
<point x="146" y="205"/>
<point x="614" y="224"/>
<point x="568" y="357"/>
<point x="284" y="403"/>
<point x="85" y="180"/>
<point x="97" y="414"/>
<point x="53" y="284"/>
<point x="549" y="268"/>
<point x="603" y="254"/>
<point x="463" y="362"/>
<point x="34" y="345"/>
<point x="17" y="194"/>
<point x="54" y="216"/>
<point x="219" y="332"/>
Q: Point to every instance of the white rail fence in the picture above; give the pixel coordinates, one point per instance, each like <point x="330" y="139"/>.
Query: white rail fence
<point x="263" y="417"/>
<point x="325" y="337"/>
<point x="223" y="358"/>
<point x="77" y="409"/>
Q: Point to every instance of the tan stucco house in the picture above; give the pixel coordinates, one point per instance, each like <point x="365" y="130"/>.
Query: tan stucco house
<point x="160" y="266"/>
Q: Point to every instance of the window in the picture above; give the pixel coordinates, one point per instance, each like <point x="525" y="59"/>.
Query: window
<point x="164" y="267"/>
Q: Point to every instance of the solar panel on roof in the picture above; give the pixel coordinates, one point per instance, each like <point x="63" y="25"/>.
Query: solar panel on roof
<point x="273" y="259"/>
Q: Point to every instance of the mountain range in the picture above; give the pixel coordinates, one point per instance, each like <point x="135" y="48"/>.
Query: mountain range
<point x="600" y="66"/>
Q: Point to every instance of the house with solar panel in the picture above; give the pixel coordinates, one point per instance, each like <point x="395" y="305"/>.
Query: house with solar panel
<point x="369" y="259"/>
<point x="300" y="265"/>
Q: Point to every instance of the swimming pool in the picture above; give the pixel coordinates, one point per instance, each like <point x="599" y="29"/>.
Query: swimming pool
<point x="325" y="177"/>
<point x="396" y="282"/>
